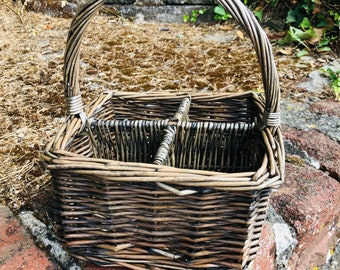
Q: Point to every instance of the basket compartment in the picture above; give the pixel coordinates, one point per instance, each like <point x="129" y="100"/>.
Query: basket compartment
<point x="127" y="141"/>
<point x="212" y="145"/>
<point x="215" y="146"/>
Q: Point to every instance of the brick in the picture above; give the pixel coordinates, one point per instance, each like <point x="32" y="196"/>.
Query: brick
<point x="318" y="146"/>
<point x="265" y="258"/>
<point x="309" y="200"/>
<point x="329" y="106"/>
<point x="17" y="248"/>
<point x="312" y="253"/>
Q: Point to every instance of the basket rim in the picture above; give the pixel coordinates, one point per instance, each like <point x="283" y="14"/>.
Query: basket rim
<point x="108" y="170"/>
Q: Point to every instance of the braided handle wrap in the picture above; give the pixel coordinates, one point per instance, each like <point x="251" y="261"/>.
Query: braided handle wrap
<point x="236" y="8"/>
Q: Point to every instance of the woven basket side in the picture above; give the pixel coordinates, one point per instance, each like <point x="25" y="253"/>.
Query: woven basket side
<point x="146" y="223"/>
<point x="222" y="108"/>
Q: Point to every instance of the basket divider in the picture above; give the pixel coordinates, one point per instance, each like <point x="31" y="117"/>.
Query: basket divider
<point x="170" y="133"/>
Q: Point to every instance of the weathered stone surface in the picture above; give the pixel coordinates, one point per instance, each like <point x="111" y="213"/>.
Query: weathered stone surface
<point x="171" y="11"/>
<point x="17" y="249"/>
<point x="315" y="82"/>
<point x="298" y="115"/>
<point x="189" y="2"/>
<point x="318" y="146"/>
<point x="46" y="239"/>
<point x="333" y="258"/>
<point x="314" y="252"/>
<point x="309" y="200"/>
<point x="164" y="14"/>
<point x="63" y="9"/>
<point x="265" y="258"/>
<point x="149" y="3"/>
<point x="285" y="239"/>
<point x="329" y="106"/>
<point x="121" y="2"/>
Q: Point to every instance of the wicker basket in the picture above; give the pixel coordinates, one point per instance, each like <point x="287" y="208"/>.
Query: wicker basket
<point x="166" y="181"/>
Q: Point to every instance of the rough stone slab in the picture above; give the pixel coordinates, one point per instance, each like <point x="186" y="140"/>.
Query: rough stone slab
<point x="285" y="239"/>
<point x="164" y="14"/>
<point x="265" y="258"/>
<point x="333" y="258"/>
<point x="162" y="2"/>
<point x="316" y="81"/>
<point x="121" y="2"/>
<point x="47" y="239"/>
<point x="189" y="2"/>
<point x="317" y="146"/>
<point x="309" y="201"/>
<point x="17" y="248"/>
<point x="298" y="115"/>
<point x="314" y="253"/>
<point x="326" y="107"/>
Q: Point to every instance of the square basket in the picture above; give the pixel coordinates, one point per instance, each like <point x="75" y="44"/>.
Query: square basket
<point x="163" y="180"/>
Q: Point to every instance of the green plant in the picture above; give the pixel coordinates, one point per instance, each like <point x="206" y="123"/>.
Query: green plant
<point x="221" y="14"/>
<point x="192" y="18"/>
<point x="258" y="14"/>
<point x="312" y="22"/>
<point x="334" y="76"/>
<point x="304" y="33"/>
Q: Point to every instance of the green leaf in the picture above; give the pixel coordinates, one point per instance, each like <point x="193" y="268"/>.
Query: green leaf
<point x="258" y="14"/>
<point x="302" y="53"/>
<point x="325" y="49"/>
<point x="305" y="24"/>
<point x="324" y="42"/>
<point x="194" y="13"/>
<point x="220" y="10"/>
<point x="296" y="35"/>
<point x="201" y="11"/>
<point x="291" y="18"/>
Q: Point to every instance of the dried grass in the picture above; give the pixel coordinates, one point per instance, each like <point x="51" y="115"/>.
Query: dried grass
<point x="116" y="55"/>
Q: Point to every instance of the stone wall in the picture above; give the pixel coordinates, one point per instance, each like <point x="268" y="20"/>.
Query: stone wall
<point x="163" y="10"/>
<point x="143" y="10"/>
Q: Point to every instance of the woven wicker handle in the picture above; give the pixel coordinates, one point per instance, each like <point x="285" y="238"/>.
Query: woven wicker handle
<point x="242" y="15"/>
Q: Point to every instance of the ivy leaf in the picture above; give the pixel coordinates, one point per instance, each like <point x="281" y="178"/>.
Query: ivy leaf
<point x="305" y="24"/>
<point x="296" y="35"/>
<point x="219" y="10"/>
<point x="302" y="53"/>
<point x="291" y="18"/>
<point x="258" y="14"/>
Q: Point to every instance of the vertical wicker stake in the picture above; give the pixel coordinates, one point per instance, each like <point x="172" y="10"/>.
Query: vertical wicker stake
<point x="166" y="181"/>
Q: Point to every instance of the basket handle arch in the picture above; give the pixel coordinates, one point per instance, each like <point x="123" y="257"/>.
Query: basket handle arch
<point x="245" y="18"/>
